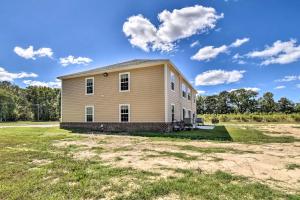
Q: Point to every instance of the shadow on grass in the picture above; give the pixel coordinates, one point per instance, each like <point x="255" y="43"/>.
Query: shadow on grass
<point x="219" y="133"/>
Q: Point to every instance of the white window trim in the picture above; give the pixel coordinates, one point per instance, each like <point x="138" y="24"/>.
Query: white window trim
<point x="187" y="94"/>
<point x="182" y="84"/>
<point x="120" y="74"/>
<point x="86" y="86"/>
<point x="172" y="104"/>
<point x="172" y="73"/>
<point x="190" y="113"/>
<point x="89" y="106"/>
<point x="182" y="112"/>
<point x="128" y="112"/>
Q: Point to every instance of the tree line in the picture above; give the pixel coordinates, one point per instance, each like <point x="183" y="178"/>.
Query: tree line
<point x="244" y="101"/>
<point x="31" y="103"/>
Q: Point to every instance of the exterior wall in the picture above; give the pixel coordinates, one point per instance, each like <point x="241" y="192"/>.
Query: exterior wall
<point x="146" y="96"/>
<point x="175" y="97"/>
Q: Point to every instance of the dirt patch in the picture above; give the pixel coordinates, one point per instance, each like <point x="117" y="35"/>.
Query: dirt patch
<point x="276" y="129"/>
<point x="41" y="162"/>
<point x="261" y="162"/>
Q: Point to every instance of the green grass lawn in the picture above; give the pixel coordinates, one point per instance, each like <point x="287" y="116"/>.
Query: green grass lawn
<point x="222" y="133"/>
<point x="32" y="168"/>
<point x="20" y="123"/>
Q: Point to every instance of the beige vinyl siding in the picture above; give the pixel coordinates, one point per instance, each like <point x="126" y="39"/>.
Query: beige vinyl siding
<point x="146" y="96"/>
<point x="175" y="97"/>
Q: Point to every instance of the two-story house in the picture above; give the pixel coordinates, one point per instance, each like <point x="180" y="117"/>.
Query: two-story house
<point x="136" y="95"/>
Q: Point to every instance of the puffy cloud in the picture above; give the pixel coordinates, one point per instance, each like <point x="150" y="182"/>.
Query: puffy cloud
<point x="72" y="60"/>
<point x="30" y="53"/>
<point x="239" y="42"/>
<point x="52" y="84"/>
<point x="175" y="25"/>
<point x="8" y="76"/>
<point x="279" y="53"/>
<point x="210" y="52"/>
<point x="200" y="92"/>
<point x="288" y="78"/>
<point x="255" y="89"/>
<point x="216" y="77"/>
<point x="279" y="87"/>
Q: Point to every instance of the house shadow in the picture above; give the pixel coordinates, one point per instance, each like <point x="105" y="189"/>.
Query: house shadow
<point x="219" y="133"/>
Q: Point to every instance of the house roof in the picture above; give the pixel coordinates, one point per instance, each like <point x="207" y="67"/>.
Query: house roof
<point x="131" y="64"/>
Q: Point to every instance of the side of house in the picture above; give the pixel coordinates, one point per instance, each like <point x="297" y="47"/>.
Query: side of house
<point x="145" y="95"/>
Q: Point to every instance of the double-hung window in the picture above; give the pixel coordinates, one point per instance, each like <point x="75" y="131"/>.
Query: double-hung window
<point x="189" y="114"/>
<point x="172" y="78"/>
<point x="124" y="112"/>
<point x="183" y="88"/>
<point x="89" y="113"/>
<point x="189" y="93"/>
<point x="124" y="82"/>
<point x="89" y="86"/>
<point x="173" y="112"/>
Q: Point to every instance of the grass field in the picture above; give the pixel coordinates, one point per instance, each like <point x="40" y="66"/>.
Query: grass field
<point x="32" y="166"/>
<point x="22" y="123"/>
<point x="222" y="133"/>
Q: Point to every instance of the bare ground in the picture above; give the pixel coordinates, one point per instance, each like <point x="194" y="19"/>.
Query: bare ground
<point x="266" y="163"/>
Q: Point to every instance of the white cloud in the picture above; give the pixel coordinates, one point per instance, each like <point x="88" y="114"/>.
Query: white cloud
<point x="237" y="58"/>
<point x="8" y="76"/>
<point x="288" y="78"/>
<point x="72" y="60"/>
<point x="279" y="53"/>
<point x="279" y="87"/>
<point x="216" y="77"/>
<point x="30" y="53"/>
<point x="200" y="92"/>
<point x="209" y="52"/>
<point x="255" y="89"/>
<point x="239" y="42"/>
<point x="194" y="43"/>
<point x="175" y="25"/>
<point x="52" y="84"/>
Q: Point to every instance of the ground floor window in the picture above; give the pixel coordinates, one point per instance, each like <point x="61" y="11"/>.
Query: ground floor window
<point x="89" y="113"/>
<point x="173" y="112"/>
<point x="183" y="113"/>
<point x="189" y="114"/>
<point x="124" y="112"/>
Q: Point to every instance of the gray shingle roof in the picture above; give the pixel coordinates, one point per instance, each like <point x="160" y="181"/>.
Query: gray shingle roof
<point x="115" y="66"/>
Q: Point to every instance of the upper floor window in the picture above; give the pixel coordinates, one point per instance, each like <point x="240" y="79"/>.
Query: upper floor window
<point x="89" y="86"/>
<point x="172" y="81"/>
<point x="124" y="112"/>
<point x="183" y="88"/>
<point x="124" y="82"/>
<point x="89" y="113"/>
<point x="189" y="93"/>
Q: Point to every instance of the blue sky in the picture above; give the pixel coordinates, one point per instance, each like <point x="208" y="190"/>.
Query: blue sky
<point x="249" y="44"/>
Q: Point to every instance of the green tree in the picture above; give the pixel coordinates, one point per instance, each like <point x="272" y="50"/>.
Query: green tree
<point x="267" y="103"/>
<point x="224" y="103"/>
<point x="244" y="100"/>
<point x="285" y="105"/>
